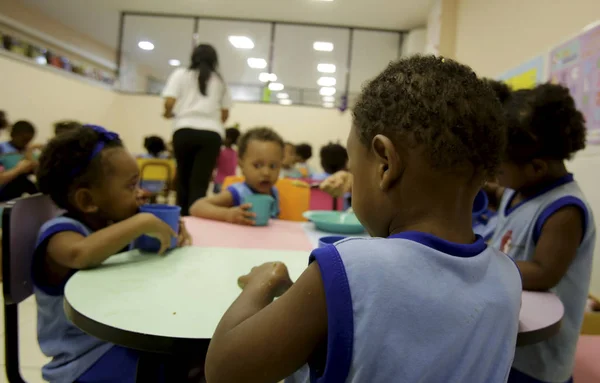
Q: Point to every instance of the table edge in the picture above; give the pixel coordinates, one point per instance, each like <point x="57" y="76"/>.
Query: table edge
<point x="130" y="339"/>
<point x="536" y="336"/>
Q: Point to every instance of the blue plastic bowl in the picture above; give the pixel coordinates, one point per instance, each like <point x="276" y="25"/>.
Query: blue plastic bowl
<point x="335" y="222"/>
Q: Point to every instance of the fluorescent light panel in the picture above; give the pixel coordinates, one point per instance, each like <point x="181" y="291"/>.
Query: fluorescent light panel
<point x="327" y="91"/>
<point x="285" y="102"/>
<point x="276" y="86"/>
<point x="267" y="77"/>
<point x="323" y="46"/>
<point x="146" y="45"/>
<point x="328" y="104"/>
<point x="283" y="95"/>
<point x="257" y="63"/>
<point x="328" y="99"/>
<point x="326" y="81"/>
<point x="174" y="62"/>
<point x="326" y="68"/>
<point x="241" y="42"/>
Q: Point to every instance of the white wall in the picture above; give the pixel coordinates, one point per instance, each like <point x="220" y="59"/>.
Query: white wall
<point x="493" y="36"/>
<point x="415" y="42"/>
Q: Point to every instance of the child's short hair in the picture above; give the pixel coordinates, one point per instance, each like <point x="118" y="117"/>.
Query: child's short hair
<point x="334" y="158"/>
<point x="259" y="134"/>
<point x="502" y="90"/>
<point x="232" y="134"/>
<point x="438" y="104"/>
<point x="58" y="173"/>
<point x="154" y="145"/>
<point x="304" y="151"/>
<point x="22" y="127"/>
<point x="61" y="127"/>
<point x="544" y="122"/>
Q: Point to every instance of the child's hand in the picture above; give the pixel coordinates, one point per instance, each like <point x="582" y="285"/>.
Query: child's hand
<point x="272" y="275"/>
<point x="337" y="184"/>
<point x="157" y="228"/>
<point x="184" y="238"/>
<point x="25" y="166"/>
<point x="240" y="215"/>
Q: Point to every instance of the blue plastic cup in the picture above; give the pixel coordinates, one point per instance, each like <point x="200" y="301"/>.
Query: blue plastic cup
<point x="262" y="206"/>
<point x="169" y="214"/>
<point x="325" y="241"/>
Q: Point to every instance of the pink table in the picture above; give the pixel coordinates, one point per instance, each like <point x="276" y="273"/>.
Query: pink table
<point x="541" y="312"/>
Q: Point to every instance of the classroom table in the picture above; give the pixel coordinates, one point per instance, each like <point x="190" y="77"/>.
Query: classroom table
<point x="168" y="304"/>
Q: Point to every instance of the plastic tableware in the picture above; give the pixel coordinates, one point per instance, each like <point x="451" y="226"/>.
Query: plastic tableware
<point x="262" y="206"/>
<point x="335" y="222"/>
<point x="169" y="214"/>
<point x="325" y="241"/>
<point x="10" y="160"/>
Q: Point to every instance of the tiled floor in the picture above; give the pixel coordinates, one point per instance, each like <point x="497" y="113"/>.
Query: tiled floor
<point x="32" y="358"/>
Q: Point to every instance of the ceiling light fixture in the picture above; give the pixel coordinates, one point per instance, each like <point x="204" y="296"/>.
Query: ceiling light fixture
<point x="326" y="68"/>
<point x="328" y="99"/>
<point x="146" y="45"/>
<point x="256" y="63"/>
<point x="326" y="81"/>
<point x="327" y="91"/>
<point x="241" y="42"/>
<point x="323" y="46"/>
<point x="285" y="102"/>
<point x="267" y="77"/>
<point x="283" y="95"/>
<point x="174" y="62"/>
<point x="276" y="86"/>
<point x="328" y="104"/>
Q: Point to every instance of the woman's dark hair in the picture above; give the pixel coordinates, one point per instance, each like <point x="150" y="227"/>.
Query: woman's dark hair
<point x="543" y="123"/>
<point x="205" y="61"/>
<point x="154" y="145"/>
<point x="334" y="158"/>
<point x="304" y="151"/>
<point x="232" y="135"/>
<point x="63" y="155"/>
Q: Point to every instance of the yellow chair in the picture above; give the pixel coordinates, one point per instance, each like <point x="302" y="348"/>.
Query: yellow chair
<point x="156" y="175"/>
<point x="294" y="197"/>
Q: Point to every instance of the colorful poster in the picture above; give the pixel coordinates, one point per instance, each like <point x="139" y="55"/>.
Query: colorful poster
<point x="576" y="64"/>
<point x="525" y="76"/>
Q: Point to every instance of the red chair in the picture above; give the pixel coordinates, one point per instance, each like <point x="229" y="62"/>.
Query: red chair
<point x="319" y="200"/>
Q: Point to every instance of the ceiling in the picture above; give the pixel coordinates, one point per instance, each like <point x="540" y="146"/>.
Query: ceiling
<point x="99" y="18"/>
<point x="294" y="59"/>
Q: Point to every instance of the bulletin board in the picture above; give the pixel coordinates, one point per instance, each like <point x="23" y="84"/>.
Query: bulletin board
<point x="576" y="64"/>
<point x="526" y="75"/>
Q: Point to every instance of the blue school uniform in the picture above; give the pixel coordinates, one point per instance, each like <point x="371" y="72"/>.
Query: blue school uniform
<point x="9" y="155"/>
<point x="242" y="190"/>
<point x="517" y="233"/>
<point x="416" y="308"/>
<point x="73" y="352"/>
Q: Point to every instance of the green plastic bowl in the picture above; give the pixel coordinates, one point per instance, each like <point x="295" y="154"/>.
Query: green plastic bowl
<point x="335" y="222"/>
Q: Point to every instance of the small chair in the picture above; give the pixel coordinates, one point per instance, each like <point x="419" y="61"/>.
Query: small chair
<point x="21" y="220"/>
<point x="156" y="175"/>
<point x="230" y="180"/>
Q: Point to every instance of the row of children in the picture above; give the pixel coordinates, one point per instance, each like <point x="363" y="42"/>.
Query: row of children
<point x="423" y="300"/>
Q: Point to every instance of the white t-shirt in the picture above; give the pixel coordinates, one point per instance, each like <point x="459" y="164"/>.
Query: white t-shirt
<point x="193" y="109"/>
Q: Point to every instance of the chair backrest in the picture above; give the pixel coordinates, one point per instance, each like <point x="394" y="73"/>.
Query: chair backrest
<point x="21" y="221"/>
<point x="230" y="180"/>
<point x="156" y="169"/>
<point x="294" y="199"/>
<point x="320" y="200"/>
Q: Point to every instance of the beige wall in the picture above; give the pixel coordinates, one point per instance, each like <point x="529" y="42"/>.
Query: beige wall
<point x="493" y="36"/>
<point x="44" y="95"/>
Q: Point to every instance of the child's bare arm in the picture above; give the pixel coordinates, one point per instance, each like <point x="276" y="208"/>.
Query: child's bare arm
<point x="261" y="340"/>
<point x="72" y="250"/>
<point x="220" y="208"/>
<point x="555" y="250"/>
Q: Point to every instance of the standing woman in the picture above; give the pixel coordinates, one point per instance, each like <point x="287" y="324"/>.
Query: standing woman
<point x="201" y="101"/>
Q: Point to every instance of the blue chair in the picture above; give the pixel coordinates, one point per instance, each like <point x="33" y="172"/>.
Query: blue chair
<point x="21" y="221"/>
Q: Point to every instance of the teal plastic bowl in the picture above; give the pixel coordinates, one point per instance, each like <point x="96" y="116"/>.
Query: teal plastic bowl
<point x="335" y="222"/>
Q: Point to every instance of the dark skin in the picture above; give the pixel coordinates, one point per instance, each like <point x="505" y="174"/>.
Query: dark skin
<point x="562" y="232"/>
<point x="262" y="340"/>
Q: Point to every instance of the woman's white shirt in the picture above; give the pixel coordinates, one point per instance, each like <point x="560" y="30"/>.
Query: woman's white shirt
<point x="192" y="108"/>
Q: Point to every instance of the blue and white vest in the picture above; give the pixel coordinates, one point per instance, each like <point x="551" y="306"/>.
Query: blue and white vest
<point x="72" y="351"/>
<point x="517" y="232"/>
<point x="416" y="308"/>
<point x="241" y="190"/>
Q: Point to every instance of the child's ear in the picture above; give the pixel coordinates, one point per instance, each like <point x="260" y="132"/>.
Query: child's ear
<point x="389" y="165"/>
<point x="84" y="201"/>
<point x="540" y="167"/>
